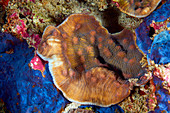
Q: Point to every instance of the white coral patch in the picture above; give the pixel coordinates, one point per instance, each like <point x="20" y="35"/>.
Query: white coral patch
<point x="54" y="42"/>
<point x="58" y="63"/>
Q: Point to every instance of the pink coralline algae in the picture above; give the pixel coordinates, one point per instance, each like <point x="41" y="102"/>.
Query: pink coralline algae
<point x="18" y="27"/>
<point x="37" y="63"/>
<point x="163" y="72"/>
<point x="160" y="26"/>
<point x="21" y="29"/>
<point x="157" y="25"/>
<point x="32" y="39"/>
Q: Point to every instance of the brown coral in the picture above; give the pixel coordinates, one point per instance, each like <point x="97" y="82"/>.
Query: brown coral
<point x="88" y="64"/>
<point x="137" y="8"/>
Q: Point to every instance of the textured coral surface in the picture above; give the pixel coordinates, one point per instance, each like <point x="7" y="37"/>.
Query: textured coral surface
<point x="137" y="8"/>
<point x="84" y="58"/>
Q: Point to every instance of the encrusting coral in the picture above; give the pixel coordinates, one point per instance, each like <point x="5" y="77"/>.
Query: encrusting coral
<point x="88" y="64"/>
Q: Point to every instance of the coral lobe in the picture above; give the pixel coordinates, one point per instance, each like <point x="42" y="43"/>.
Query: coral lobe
<point x="84" y="66"/>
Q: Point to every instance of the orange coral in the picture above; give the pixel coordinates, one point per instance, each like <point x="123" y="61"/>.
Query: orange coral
<point x="87" y="63"/>
<point x="137" y="8"/>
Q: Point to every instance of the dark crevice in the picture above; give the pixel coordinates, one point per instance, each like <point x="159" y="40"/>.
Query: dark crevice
<point x="116" y="70"/>
<point x="136" y="7"/>
<point x="110" y="20"/>
<point x="101" y="59"/>
<point x="21" y="16"/>
<point x="118" y="44"/>
<point x="160" y="4"/>
<point x="151" y="32"/>
<point x="110" y="67"/>
<point x="82" y="1"/>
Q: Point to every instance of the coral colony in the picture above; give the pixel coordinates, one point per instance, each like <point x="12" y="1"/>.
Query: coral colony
<point x="63" y="56"/>
<point x="85" y="58"/>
